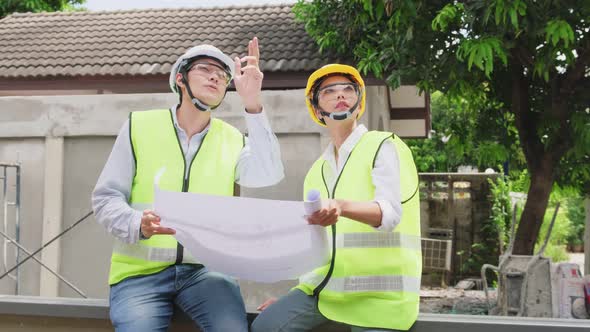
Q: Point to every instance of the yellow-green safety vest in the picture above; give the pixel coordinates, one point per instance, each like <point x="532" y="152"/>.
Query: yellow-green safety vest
<point x="155" y="145"/>
<point x="374" y="277"/>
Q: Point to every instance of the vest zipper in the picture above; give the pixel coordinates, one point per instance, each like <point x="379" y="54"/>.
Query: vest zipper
<point x="180" y="247"/>
<point x="185" y="181"/>
<point x="320" y="287"/>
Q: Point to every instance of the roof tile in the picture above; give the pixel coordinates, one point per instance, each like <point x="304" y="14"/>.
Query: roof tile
<point x="146" y="42"/>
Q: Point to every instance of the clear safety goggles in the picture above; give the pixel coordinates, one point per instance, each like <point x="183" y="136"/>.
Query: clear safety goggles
<point x="348" y="91"/>
<point x="206" y="69"/>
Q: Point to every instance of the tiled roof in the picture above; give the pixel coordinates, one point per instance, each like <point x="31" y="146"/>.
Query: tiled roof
<point x="145" y="42"/>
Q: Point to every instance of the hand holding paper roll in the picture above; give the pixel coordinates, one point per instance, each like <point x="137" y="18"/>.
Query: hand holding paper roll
<point x="318" y="212"/>
<point x="313" y="202"/>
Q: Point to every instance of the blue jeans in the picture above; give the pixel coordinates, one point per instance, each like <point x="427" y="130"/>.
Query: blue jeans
<point x="295" y="312"/>
<point x="146" y="303"/>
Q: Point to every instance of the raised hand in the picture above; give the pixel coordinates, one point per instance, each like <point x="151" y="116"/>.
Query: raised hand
<point x="248" y="79"/>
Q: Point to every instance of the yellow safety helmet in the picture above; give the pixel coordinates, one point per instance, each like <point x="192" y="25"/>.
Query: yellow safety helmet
<point x="319" y="75"/>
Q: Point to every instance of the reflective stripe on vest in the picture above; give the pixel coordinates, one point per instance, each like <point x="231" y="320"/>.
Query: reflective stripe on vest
<point x="354" y="284"/>
<point x="153" y="254"/>
<point x="378" y="240"/>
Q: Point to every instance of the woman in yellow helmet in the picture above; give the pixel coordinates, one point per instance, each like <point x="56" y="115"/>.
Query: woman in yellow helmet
<point x="365" y="178"/>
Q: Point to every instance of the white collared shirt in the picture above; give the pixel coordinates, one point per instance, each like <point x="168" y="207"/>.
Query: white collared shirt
<point x="259" y="165"/>
<point x="385" y="176"/>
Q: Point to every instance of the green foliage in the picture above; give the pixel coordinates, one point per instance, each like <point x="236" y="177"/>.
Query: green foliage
<point x="561" y="228"/>
<point x="556" y="252"/>
<point x="467" y="50"/>
<point x="494" y="232"/>
<point x="559" y="30"/>
<point x="22" y="6"/>
<point x="462" y="135"/>
<point x="501" y="212"/>
<point x="504" y="10"/>
<point x="569" y="223"/>
<point x="574" y="171"/>
<point x="577" y="217"/>
<point x="482" y="52"/>
<point x="520" y="181"/>
<point x="449" y="14"/>
<point x="525" y="61"/>
<point x="479" y="254"/>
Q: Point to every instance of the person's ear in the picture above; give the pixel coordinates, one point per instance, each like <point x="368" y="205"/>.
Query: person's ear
<point x="318" y="114"/>
<point x="179" y="80"/>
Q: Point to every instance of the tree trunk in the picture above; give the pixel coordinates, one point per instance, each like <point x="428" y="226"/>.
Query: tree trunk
<point x="534" y="209"/>
<point x="541" y="160"/>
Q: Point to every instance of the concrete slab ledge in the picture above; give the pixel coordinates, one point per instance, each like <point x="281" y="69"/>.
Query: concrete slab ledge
<point x="23" y="306"/>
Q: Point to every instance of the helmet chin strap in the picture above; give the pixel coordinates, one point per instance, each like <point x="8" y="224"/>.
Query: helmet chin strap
<point x="199" y="104"/>
<point x="340" y="115"/>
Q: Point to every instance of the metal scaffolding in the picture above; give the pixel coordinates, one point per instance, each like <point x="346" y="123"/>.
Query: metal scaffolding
<point x="14" y="240"/>
<point x="14" y="205"/>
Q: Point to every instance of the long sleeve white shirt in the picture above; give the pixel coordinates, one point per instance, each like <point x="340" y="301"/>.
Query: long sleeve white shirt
<point x="259" y="165"/>
<point x="385" y="176"/>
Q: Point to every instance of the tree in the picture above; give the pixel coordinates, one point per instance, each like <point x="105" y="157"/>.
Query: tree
<point x="531" y="56"/>
<point x="462" y="135"/>
<point x="22" y="6"/>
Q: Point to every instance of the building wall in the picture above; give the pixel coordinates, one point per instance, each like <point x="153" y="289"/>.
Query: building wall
<point x="70" y="138"/>
<point x="454" y="207"/>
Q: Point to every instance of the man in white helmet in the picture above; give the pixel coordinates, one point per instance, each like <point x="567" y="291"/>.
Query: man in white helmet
<point x="150" y="272"/>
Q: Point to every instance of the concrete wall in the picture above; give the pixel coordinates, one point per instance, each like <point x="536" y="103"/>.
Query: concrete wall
<point x="32" y="314"/>
<point x="63" y="142"/>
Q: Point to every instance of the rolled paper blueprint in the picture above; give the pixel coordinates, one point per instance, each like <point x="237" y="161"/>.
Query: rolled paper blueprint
<point x="313" y="202"/>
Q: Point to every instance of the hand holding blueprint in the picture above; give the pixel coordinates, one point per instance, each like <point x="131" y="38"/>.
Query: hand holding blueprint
<point x="247" y="238"/>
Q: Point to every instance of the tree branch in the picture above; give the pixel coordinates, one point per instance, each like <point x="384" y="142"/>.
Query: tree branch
<point x="562" y="89"/>
<point x="563" y="137"/>
<point x="525" y="120"/>
<point x="524" y="56"/>
<point x="577" y="70"/>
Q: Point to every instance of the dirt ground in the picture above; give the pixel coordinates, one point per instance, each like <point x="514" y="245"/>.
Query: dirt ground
<point x="455" y="301"/>
<point x="469" y="302"/>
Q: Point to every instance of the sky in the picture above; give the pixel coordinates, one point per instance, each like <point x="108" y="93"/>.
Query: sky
<point x="95" y="5"/>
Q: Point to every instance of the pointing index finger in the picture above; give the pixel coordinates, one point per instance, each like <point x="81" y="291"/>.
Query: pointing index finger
<point x="256" y="49"/>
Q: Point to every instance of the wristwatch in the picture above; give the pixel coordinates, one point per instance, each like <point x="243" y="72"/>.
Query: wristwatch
<point x="141" y="236"/>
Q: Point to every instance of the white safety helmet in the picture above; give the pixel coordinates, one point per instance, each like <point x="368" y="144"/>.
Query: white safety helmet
<point x="184" y="62"/>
